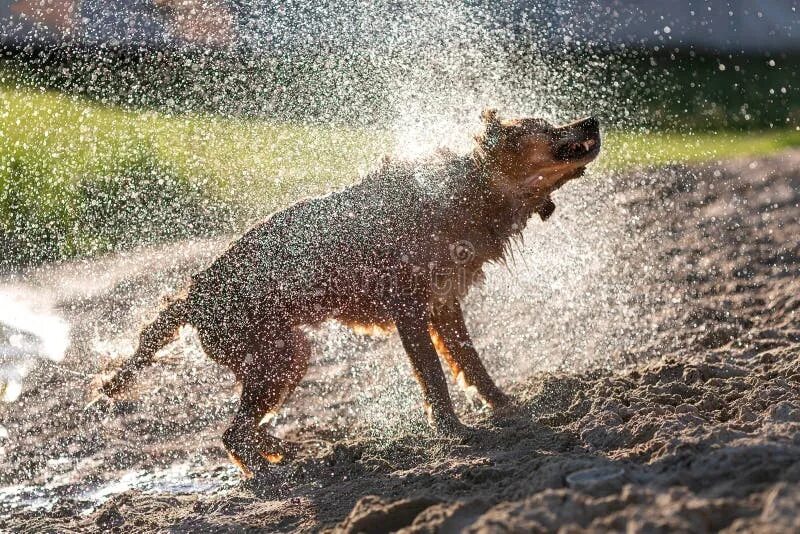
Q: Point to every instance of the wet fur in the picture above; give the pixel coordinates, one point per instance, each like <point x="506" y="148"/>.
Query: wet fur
<point x="398" y="249"/>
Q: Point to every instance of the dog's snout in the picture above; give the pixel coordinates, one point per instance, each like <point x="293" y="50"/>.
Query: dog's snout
<point x="577" y="140"/>
<point x="589" y="125"/>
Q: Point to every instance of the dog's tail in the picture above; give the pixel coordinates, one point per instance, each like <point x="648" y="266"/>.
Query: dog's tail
<point x="154" y="336"/>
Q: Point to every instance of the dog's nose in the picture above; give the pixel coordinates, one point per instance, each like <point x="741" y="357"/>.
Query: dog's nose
<point x="587" y="125"/>
<point x="590" y="125"/>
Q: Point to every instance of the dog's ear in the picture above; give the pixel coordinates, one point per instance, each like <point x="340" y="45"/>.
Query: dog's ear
<point x="546" y="208"/>
<point x="492" y="129"/>
<point x="489" y="116"/>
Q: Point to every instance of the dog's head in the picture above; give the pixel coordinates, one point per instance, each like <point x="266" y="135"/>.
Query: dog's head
<point x="530" y="158"/>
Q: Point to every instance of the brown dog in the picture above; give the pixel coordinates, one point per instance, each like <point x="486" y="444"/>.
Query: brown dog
<point x="399" y="248"/>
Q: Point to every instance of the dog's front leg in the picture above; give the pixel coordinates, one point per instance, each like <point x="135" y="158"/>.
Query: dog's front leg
<point x="450" y="335"/>
<point x="412" y="325"/>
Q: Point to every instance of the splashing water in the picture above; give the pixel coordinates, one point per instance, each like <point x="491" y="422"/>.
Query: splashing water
<point x="300" y="101"/>
<point x="427" y="70"/>
<point x="29" y="329"/>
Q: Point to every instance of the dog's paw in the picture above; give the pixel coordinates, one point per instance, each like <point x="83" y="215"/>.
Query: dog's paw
<point x="451" y="428"/>
<point x="252" y="466"/>
<point x="99" y="403"/>
<point x="276" y="450"/>
<point x="117" y="382"/>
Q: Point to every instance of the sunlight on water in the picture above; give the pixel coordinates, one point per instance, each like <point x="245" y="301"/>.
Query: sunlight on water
<point x="28" y="331"/>
<point x="180" y="478"/>
<point x="120" y="187"/>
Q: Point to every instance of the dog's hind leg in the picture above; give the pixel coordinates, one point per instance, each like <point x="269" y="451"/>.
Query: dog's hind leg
<point x="452" y="341"/>
<point x="270" y="374"/>
<point x="242" y="439"/>
<point x="297" y="352"/>
<point x="154" y="336"/>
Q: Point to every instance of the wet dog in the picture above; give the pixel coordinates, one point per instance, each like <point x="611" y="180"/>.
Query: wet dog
<point x="398" y="249"/>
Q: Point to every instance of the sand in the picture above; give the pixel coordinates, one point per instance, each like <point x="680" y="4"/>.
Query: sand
<point x="650" y="333"/>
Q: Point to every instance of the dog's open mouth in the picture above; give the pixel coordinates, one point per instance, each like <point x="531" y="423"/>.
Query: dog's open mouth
<point x="578" y="150"/>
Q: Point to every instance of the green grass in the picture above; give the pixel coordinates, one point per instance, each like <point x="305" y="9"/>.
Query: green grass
<point x="77" y="178"/>
<point x="71" y="137"/>
<point x="623" y="149"/>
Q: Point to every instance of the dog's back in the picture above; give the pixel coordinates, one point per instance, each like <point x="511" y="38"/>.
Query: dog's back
<point x="324" y="256"/>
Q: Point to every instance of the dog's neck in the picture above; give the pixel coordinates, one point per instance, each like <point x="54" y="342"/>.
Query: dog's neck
<point x="502" y="213"/>
<point x="516" y="205"/>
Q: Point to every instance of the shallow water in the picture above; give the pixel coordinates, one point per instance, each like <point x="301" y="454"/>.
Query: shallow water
<point x="84" y="498"/>
<point x="30" y="330"/>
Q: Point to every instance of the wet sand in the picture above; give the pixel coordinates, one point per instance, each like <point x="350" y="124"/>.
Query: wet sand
<point x="650" y="331"/>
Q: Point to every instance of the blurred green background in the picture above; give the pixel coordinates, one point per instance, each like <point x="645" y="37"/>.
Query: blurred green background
<point x="95" y="160"/>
